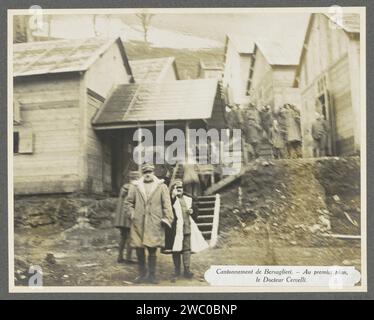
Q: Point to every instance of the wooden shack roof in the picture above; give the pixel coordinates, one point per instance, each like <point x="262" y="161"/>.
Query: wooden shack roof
<point x="351" y="25"/>
<point x="243" y="44"/>
<point x="169" y="101"/>
<point x="278" y="54"/>
<point x="350" y="22"/>
<point x="57" y="56"/>
<point x="152" y="70"/>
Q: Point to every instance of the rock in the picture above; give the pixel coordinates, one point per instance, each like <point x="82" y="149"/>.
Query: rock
<point x="336" y="198"/>
<point x="50" y="258"/>
<point x="315" y="228"/>
<point x="248" y="229"/>
<point x="325" y="222"/>
<point x="294" y="243"/>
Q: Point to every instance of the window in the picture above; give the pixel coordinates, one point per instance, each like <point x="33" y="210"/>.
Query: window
<point x="23" y="141"/>
<point x="15" y="142"/>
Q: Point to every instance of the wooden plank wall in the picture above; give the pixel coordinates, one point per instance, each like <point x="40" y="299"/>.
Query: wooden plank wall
<point x="341" y="89"/>
<point x="327" y="53"/>
<point x="95" y="149"/>
<point x="50" y="108"/>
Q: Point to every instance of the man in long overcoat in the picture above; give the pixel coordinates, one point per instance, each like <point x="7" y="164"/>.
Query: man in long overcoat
<point x="150" y="209"/>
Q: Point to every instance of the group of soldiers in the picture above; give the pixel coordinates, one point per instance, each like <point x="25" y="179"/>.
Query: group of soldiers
<point x="150" y="216"/>
<point x="280" y="130"/>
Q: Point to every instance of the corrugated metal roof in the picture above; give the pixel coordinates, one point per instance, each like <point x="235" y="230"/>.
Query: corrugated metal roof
<point x="242" y="43"/>
<point x="151" y="70"/>
<point x="277" y="54"/>
<point x="176" y="100"/>
<point x="57" y="56"/>
<point x="350" y="22"/>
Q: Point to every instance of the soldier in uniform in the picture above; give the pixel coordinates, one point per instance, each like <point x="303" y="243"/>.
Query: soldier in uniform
<point x="150" y="210"/>
<point x="122" y="220"/>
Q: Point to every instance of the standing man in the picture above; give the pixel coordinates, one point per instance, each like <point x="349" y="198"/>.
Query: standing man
<point x="184" y="236"/>
<point x="293" y="129"/>
<point x="266" y="119"/>
<point x="319" y="135"/>
<point x="122" y="220"/>
<point x="253" y="133"/>
<point x="150" y="208"/>
<point x="276" y="139"/>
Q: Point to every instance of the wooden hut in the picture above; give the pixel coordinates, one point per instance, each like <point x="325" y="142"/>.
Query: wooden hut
<point x="273" y="73"/>
<point x="239" y="51"/>
<point x="210" y="69"/>
<point x="58" y="87"/>
<point x="183" y="104"/>
<point x="328" y="76"/>
<point x="154" y="70"/>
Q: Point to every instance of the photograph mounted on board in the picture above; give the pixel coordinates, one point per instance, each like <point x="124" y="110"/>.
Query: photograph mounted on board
<point x="187" y="150"/>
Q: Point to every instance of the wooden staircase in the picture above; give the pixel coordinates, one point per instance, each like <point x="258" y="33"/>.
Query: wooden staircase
<point x="265" y="150"/>
<point x="208" y="217"/>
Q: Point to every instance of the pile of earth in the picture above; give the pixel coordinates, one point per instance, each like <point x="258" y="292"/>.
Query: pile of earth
<point x="294" y="200"/>
<point x="63" y="211"/>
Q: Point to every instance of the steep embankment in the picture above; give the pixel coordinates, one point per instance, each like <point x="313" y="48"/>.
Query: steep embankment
<point x="297" y="201"/>
<point x="282" y="216"/>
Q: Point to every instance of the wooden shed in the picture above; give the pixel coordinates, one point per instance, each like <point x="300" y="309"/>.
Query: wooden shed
<point x="328" y="76"/>
<point x="154" y="70"/>
<point x="272" y="74"/>
<point x="239" y="51"/>
<point x="58" y="88"/>
<point x="183" y="104"/>
<point x="210" y="69"/>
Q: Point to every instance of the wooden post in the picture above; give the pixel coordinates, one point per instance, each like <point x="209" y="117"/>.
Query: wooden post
<point x="187" y="133"/>
<point x="214" y="234"/>
<point x="140" y="155"/>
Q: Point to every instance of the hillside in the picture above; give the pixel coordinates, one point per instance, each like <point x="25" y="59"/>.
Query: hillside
<point x="287" y="211"/>
<point x="187" y="60"/>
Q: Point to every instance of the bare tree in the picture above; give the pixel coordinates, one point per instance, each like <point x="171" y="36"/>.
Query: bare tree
<point x="145" y="20"/>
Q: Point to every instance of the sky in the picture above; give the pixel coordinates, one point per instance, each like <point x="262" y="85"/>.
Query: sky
<point x="193" y="31"/>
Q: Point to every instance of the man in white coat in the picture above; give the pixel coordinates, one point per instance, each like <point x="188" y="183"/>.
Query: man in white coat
<point x="185" y="235"/>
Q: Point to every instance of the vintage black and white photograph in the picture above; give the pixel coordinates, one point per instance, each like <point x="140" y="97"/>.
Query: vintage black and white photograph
<point x="187" y="149"/>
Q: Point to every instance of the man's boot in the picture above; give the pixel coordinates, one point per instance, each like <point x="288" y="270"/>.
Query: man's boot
<point x="140" y="252"/>
<point x="177" y="266"/>
<point x="187" y="273"/>
<point x="186" y="263"/>
<point x="121" y="247"/>
<point x="152" y="259"/>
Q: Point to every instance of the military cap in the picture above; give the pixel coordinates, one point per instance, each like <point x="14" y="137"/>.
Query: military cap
<point x="147" y="167"/>
<point x="178" y="183"/>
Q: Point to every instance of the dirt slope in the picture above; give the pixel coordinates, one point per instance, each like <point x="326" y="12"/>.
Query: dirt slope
<point x="280" y="217"/>
<point x="295" y="200"/>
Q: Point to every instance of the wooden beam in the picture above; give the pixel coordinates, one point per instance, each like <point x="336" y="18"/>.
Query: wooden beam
<point x="343" y="236"/>
<point x="187" y="133"/>
<point x="214" y="235"/>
